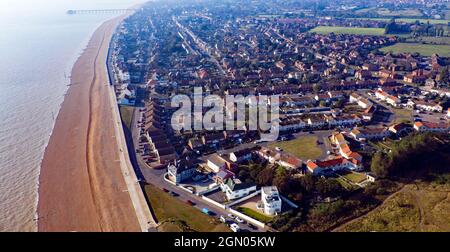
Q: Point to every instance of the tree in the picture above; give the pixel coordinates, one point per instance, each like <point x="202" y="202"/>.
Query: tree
<point x="444" y="75"/>
<point x="317" y="88"/>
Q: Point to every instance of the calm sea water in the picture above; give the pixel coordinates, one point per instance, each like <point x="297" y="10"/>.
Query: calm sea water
<point x="39" y="44"/>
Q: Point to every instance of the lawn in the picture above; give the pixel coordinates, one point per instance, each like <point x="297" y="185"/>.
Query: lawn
<point x="126" y="112"/>
<point x="255" y="215"/>
<point x="423" y="49"/>
<point x="402" y="13"/>
<point x="423" y="207"/>
<point x="304" y="147"/>
<point x="345" y="184"/>
<point x="348" y="30"/>
<point x="175" y="215"/>
<point x="355" y="177"/>
<point x="409" y="20"/>
<point x="402" y="115"/>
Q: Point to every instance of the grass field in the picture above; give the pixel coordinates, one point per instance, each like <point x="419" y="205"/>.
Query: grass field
<point x="419" y="207"/>
<point x="355" y="177"/>
<point x="409" y="20"/>
<point x="346" y="184"/>
<point x="348" y="30"/>
<point x="430" y="40"/>
<point x="255" y="215"/>
<point x="126" y="112"/>
<point x="425" y="50"/>
<point x="402" y="115"/>
<point x="387" y="12"/>
<point x="304" y="147"/>
<point x="177" y="216"/>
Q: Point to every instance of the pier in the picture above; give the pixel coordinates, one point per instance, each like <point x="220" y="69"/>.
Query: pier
<point x="99" y="11"/>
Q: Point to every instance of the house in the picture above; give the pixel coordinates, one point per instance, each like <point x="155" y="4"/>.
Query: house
<point x="235" y="189"/>
<point x="283" y="159"/>
<point x="370" y="67"/>
<point x="342" y="120"/>
<point x="271" y="200"/>
<point x="371" y="177"/>
<point x="216" y="163"/>
<point x="241" y="155"/>
<point x="338" y="139"/>
<point x="393" y="101"/>
<point x="424" y="126"/>
<point x="428" y="106"/>
<point x="316" y="121"/>
<point x="368" y="133"/>
<point x="361" y="101"/>
<point x="400" y="128"/>
<point x="195" y="144"/>
<point x="363" y="75"/>
<point x="213" y="139"/>
<point x="338" y="163"/>
<point x="181" y="170"/>
<point x="290" y="162"/>
<point x="222" y="176"/>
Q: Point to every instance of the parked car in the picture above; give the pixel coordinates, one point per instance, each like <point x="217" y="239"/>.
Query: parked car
<point x="166" y="190"/>
<point x="252" y="226"/>
<point x="206" y="211"/>
<point x="235" y="227"/>
<point x="190" y="202"/>
<point x="231" y="216"/>
<point x="222" y="219"/>
<point x="174" y="194"/>
<point x="239" y="220"/>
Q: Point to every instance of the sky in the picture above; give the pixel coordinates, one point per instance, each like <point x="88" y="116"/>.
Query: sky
<point x="24" y="8"/>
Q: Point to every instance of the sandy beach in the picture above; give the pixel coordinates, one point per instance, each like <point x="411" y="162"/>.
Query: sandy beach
<point x="82" y="187"/>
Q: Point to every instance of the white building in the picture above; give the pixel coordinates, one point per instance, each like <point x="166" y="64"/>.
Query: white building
<point x="235" y="189"/>
<point x="271" y="200"/>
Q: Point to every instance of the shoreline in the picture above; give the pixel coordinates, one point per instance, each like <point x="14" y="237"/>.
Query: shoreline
<point x="67" y="81"/>
<point x="77" y="191"/>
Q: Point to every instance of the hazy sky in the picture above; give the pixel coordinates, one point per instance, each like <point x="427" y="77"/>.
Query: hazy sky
<point x="29" y="7"/>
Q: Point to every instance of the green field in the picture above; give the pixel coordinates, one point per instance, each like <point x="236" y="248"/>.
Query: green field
<point x="355" y="177"/>
<point x="304" y="147"/>
<point x="255" y="215"/>
<point x="423" y="49"/>
<point x="402" y="115"/>
<point x="348" y="30"/>
<point x="389" y="13"/>
<point x="174" y="215"/>
<point x="422" y="207"/>
<point x="409" y="20"/>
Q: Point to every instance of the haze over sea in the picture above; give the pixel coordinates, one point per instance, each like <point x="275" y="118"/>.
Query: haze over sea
<point x="38" y="47"/>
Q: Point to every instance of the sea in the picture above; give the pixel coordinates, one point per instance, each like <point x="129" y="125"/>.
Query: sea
<point x="39" y="44"/>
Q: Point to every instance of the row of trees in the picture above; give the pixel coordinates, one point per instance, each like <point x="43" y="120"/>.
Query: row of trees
<point x="292" y="186"/>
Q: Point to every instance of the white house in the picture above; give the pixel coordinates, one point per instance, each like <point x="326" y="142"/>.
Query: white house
<point x="271" y="200"/>
<point x="235" y="189"/>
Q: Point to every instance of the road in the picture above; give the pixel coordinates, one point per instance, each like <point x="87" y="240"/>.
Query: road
<point x="156" y="178"/>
